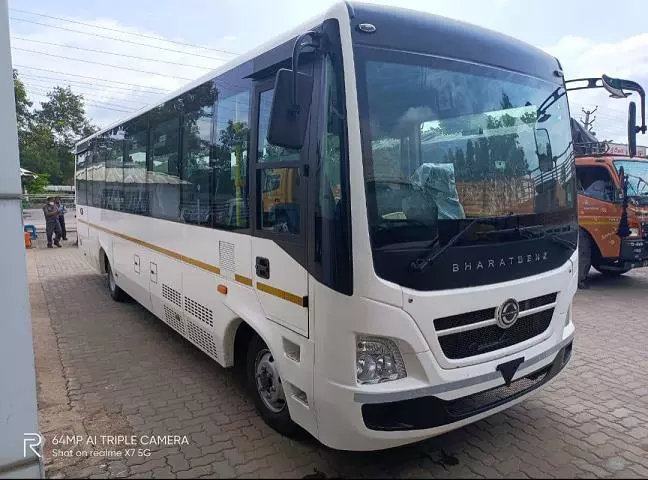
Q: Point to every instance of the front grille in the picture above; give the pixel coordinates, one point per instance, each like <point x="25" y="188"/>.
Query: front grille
<point x="538" y="301"/>
<point x="490" y="338"/>
<point x="462" y="319"/>
<point x="477" y="316"/>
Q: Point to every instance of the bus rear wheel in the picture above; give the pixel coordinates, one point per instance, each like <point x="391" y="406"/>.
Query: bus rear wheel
<point x="266" y="389"/>
<point x="116" y="293"/>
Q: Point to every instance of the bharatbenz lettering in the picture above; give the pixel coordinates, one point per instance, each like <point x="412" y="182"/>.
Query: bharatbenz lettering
<point x="374" y="216"/>
<point x="508" y="262"/>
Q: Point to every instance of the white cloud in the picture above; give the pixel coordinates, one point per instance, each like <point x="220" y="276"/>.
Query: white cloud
<point x="584" y="57"/>
<point x="169" y="69"/>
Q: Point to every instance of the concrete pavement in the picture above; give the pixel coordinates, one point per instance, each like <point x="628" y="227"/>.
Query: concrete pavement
<point x="109" y="368"/>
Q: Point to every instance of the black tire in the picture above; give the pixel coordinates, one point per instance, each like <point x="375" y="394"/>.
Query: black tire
<point x="610" y="271"/>
<point x="279" y="417"/>
<point x="584" y="255"/>
<point x="116" y="293"/>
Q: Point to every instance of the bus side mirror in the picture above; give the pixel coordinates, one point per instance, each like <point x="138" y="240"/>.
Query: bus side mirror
<point x="543" y="149"/>
<point x="290" y="111"/>
<point x="632" y="129"/>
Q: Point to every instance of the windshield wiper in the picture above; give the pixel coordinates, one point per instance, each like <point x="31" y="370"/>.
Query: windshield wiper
<point x="422" y="263"/>
<point x="639" y="182"/>
<point x="551" y="236"/>
<point x="401" y="222"/>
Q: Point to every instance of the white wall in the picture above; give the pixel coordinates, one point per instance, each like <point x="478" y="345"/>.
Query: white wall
<point x="18" y="407"/>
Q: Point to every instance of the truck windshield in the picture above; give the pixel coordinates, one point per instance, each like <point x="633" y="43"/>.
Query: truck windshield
<point x="446" y="142"/>
<point x="637" y="171"/>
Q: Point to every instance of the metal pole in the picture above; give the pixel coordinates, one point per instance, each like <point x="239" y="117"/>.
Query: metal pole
<point x="18" y="405"/>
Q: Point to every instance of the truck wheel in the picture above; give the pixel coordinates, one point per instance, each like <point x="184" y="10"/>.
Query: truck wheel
<point x="584" y="255"/>
<point x="116" y="293"/>
<point x="610" y="271"/>
<point x="266" y="388"/>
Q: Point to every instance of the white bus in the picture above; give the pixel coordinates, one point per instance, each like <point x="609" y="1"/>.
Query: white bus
<point x="389" y="250"/>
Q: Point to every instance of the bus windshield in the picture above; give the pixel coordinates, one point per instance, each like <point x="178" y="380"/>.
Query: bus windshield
<point x="446" y="142"/>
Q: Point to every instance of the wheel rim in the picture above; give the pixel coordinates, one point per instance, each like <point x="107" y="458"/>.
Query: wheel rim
<point x="111" y="281"/>
<point x="268" y="382"/>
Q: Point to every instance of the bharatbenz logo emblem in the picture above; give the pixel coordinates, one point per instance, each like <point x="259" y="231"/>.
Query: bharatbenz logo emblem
<point x="499" y="262"/>
<point x="507" y="313"/>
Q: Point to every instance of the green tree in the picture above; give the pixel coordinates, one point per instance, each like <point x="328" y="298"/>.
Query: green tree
<point x="47" y="134"/>
<point x="23" y="104"/>
<point x="64" y="114"/>
<point x="37" y="185"/>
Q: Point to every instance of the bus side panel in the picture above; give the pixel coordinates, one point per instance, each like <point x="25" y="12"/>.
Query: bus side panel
<point x="206" y="316"/>
<point x="165" y="286"/>
<point x="131" y="263"/>
<point x="93" y="245"/>
<point x="283" y="292"/>
<point x="82" y="231"/>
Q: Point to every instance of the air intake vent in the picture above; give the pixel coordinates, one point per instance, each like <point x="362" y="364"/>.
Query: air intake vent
<point x="202" y="338"/>
<point x="171" y="295"/>
<point x="491" y="338"/>
<point x="477" y="332"/>
<point x="174" y="320"/>
<point x="226" y="256"/>
<point x="199" y="311"/>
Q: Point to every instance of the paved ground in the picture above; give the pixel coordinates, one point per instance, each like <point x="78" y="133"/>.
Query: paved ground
<point x="113" y="369"/>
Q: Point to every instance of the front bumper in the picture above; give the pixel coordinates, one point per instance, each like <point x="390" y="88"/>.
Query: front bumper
<point x="364" y="420"/>
<point x="634" y="253"/>
<point x="431" y="411"/>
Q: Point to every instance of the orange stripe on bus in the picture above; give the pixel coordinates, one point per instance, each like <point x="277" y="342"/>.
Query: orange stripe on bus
<point x="243" y="279"/>
<point x="277" y="292"/>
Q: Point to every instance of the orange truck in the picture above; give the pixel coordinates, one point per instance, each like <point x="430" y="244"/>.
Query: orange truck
<point x="612" y="188"/>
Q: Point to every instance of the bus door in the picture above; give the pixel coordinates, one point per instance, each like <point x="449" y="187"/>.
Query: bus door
<point x="279" y="213"/>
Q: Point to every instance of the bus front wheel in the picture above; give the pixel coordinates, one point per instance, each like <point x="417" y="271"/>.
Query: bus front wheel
<point x="266" y="388"/>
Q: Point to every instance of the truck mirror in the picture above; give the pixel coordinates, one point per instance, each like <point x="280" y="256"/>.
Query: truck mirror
<point x="543" y="149"/>
<point x="614" y="87"/>
<point x="289" y="111"/>
<point x="632" y="129"/>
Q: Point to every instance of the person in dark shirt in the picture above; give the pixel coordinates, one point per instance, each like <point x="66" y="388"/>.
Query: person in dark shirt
<point x="61" y="217"/>
<point x="52" y="225"/>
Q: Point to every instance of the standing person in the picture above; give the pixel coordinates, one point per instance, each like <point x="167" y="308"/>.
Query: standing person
<point x="61" y="217"/>
<point x="52" y="225"/>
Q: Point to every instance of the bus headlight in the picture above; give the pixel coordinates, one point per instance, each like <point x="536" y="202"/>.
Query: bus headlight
<point x="378" y="360"/>
<point x="635" y="233"/>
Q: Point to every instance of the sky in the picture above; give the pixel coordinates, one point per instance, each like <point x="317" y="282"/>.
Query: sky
<point x="149" y="48"/>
